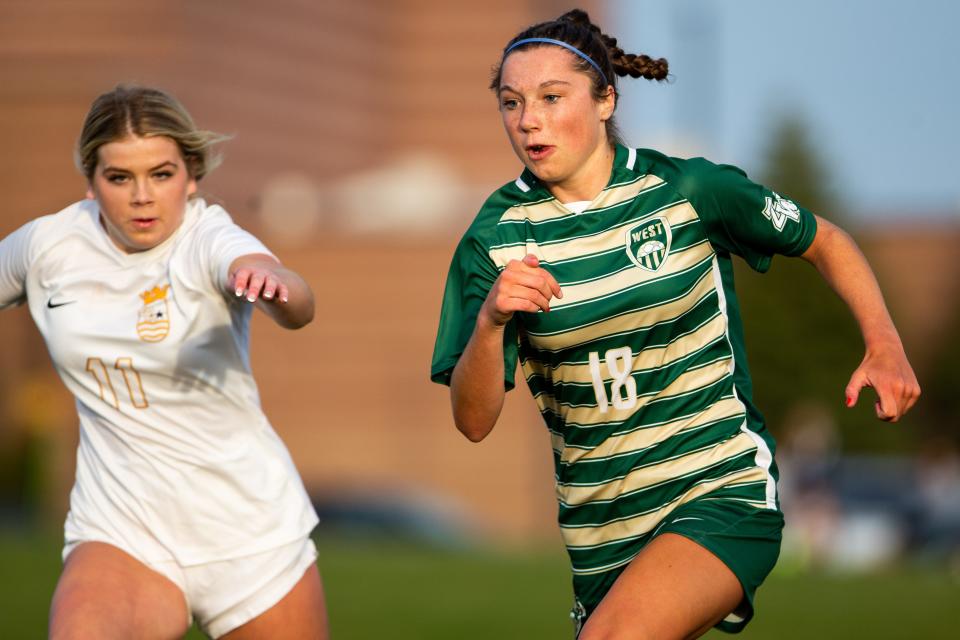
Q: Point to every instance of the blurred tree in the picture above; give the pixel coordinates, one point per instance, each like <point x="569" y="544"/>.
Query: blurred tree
<point x="939" y="407"/>
<point x="802" y="341"/>
<point x="793" y="168"/>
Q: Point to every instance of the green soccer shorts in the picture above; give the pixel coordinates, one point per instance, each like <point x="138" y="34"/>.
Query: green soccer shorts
<point x="746" y="538"/>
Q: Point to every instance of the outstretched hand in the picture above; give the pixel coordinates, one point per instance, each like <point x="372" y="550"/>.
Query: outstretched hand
<point x="887" y="370"/>
<point x="280" y="292"/>
<point x="260" y="280"/>
<point x="522" y="286"/>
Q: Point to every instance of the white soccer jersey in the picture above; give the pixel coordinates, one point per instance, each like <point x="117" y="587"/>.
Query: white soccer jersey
<point x="174" y="447"/>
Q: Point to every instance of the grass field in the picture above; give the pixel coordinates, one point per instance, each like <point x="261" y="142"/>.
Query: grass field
<point x="386" y="590"/>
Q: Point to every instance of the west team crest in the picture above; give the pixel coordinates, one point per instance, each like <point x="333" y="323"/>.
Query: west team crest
<point x="648" y="243"/>
<point x="153" y="321"/>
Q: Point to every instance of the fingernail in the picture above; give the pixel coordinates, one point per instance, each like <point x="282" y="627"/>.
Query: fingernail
<point x="239" y="292"/>
<point x="283" y="299"/>
<point x="251" y="298"/>
<point x="849" y="401"/>
<point x="267" y="295"/>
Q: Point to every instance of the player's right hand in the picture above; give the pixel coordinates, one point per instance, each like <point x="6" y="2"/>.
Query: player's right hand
<point x="522" y="286"/>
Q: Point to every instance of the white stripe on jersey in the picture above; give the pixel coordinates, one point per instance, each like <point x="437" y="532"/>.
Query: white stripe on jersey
<point x="764" y="457"/>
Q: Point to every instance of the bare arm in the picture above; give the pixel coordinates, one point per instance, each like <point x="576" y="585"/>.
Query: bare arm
<point x="281" y="293"/>
<point x="476" y="385"/>
<point x="884" y="366"/>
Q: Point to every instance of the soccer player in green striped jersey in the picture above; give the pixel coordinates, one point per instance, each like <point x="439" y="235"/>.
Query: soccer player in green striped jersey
<point x="606" y="272"/>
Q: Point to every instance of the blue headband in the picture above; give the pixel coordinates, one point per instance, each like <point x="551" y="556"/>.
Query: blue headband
<point x="563" y="44"/>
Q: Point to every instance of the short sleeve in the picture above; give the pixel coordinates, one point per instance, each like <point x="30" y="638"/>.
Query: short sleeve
<point x="745" y="218"/>
<point x="14" y="264"/>
<point x="471" y="276"/>
<point x="220" y="241"/>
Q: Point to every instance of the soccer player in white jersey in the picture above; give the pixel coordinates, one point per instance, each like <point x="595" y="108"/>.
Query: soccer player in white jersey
<point x="186" y="505"/>
<point x="607" y="273"/>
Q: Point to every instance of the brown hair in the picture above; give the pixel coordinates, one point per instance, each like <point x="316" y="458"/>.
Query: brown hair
<point x="143" y="111"/>
<point x="574" y="28"/>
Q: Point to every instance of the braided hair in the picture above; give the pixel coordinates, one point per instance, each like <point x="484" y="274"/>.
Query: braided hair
<point x="575" y="28"/>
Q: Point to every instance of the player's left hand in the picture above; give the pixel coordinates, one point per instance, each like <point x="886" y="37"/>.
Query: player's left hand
<point x="259" y="279"/>
<point x="886" y="369"/>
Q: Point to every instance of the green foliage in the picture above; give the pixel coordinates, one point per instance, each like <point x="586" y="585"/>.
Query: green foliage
<point x="23" y="477"/>
<point x="939" y="405"/>
<point x="803" y="344"/>
<point x="794" y="169"/>
<point x="802" y="347"/>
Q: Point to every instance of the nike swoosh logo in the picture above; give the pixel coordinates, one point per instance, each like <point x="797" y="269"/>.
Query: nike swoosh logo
<point x="53" y="305"/>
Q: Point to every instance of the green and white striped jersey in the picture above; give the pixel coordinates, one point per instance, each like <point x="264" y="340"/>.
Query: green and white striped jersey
<point x="639" y="370"/>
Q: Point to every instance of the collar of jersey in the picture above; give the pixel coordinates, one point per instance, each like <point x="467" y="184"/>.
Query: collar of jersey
<point x="621" y="156"/>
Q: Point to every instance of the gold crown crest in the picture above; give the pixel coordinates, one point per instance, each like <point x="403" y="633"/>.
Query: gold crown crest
<point x="154" y="294"/>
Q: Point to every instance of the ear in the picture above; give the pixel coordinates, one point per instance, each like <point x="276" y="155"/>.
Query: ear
<point x="89" y="194"/>
<point x="608" y="103"/>
<point x="191" y="187"/>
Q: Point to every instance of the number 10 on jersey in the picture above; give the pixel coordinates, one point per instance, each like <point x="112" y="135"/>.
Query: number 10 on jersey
<point x="623" y="388"/>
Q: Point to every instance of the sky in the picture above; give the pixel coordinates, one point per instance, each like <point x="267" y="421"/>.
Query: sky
<point x="877" y="82"/>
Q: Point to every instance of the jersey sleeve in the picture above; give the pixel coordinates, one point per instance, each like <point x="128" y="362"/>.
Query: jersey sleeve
<point x="471" y="276"/>
<point x="744" y="218"/>
<point x="220" y="241"/>
<point x="14" y="264"/>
